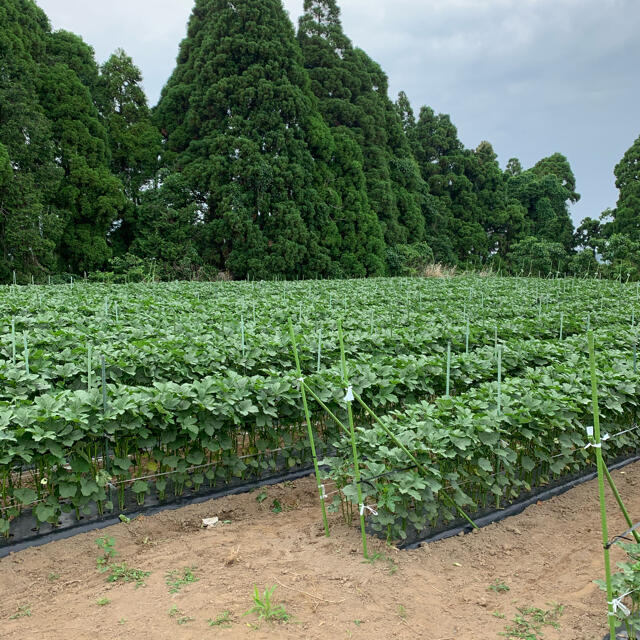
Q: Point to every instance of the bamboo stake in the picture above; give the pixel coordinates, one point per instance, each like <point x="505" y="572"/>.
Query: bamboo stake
<point x="309" y="429"/>
<point x="603" y="506"/>
<point x="448" y="369"/>
<point x="352" y="433"/>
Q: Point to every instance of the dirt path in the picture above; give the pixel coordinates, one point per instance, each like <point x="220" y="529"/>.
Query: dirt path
<point x="549" y="554"/>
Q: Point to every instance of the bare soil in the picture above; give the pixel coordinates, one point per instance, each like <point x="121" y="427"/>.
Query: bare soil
<point x="549" y="554"/>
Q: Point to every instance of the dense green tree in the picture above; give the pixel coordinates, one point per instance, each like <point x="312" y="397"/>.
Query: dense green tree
<point x="89" y="198"/>
<point x="71" y="50"/>
<point x="589" y="234"/>
<point x="323" y="45"/>
<point x="352" y="95"/>
<point x="513" y="168"/>
<point x="29" y="229"/>
<point x="241" y="125"/>
<point x="503" y="220"/>
<point x="449" y="169"/>
<point x="626" y="217"/>
<point x="538" y="256"/>
<point x="135" y="143"/>
<point x="545" y="191"/>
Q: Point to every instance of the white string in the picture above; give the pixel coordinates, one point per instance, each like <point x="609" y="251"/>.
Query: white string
<point x="368" y="508"/>
<point x="617" y="604"/>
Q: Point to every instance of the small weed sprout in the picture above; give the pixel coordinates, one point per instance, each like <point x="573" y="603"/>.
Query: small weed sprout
<point x="23" y="612"/>
<point x="528" y="623"/>
<point x="221" y="620"/>
<point x="103" y="602"/>
<point x="176" y="580"/>
<point x="499" y="587"/>
<point x="107" y="546"/>
<point x="123" y="573"/>
<point x="263" y="607"/>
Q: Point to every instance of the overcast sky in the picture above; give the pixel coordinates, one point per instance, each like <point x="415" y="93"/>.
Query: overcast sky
<point x="531" y="76"/>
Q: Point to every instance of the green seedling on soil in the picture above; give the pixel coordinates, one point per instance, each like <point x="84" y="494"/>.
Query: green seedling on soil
<point x="52" y="577"/>
<point x="23" y="612"/>
<point x="263" y="607"/>
<point x="103" y="602"/>
<point x="499" y="586"/>
<point x="221" y="620"/>
<point x="107" y="546"/>
<point x="177" y="579"/>
<point x="123" y="573"/>
<point x="529" y="622"/>
<point x="261" y="497"/>
<point x="124" y="519"/>
<point x="499" y="614"/>
<point x="276" y="506"/>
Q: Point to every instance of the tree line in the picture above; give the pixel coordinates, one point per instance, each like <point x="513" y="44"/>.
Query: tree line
<point x="272" y="152"/>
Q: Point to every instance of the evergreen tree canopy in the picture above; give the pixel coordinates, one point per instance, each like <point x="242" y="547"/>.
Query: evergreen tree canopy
<point x="134" y="141"/>
<point x="352" y="94"/>
<point x="627" y="213"/>
<point x="28" y="229"/>
<point x="241" y="125"/>
<point x="545" y="191"/>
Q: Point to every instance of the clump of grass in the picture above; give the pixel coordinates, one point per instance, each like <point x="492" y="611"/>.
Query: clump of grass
<point x="103" y="602"/>
<point x="438" y="270"/>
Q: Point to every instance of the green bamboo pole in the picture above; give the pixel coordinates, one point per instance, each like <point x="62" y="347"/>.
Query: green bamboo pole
<point x="319" y="348"/>
<point x="309" y="429"/>
<point x="447" y="395"/>
<point x="242" y="333"/>
<point x="348" y="399"/>
<point x="466" y="339"/>
<point x="26" y="352"/>
<point x="13" y="341"/>
<point x="618" y="498"/>
<point x="499" y="379"/>
<point x="597" y="443"/>
<point x="104" y="410"/>
<point x="561" y="324"/>
<point x="411" y="457"/>
<point x="332" y="415"/>
<point x="89" y="372"/>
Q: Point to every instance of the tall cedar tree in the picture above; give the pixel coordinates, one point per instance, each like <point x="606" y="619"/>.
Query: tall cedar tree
<point x="323" y="43"/>
<point x="89" y="198"/>
<point x="352" y="92"/>
<point x="449" y="169"/>
<point x="626" y="217"/>
<point x="29" y="174"/>
<point x="242" y="127"/>
<point x="437" y="216"/>
<point x="134" y="142"/>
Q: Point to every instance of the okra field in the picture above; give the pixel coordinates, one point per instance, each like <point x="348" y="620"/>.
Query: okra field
<point x="114" y="396"/>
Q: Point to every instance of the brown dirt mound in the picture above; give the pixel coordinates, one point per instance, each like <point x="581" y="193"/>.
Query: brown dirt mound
<point x="549" y="554"/>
